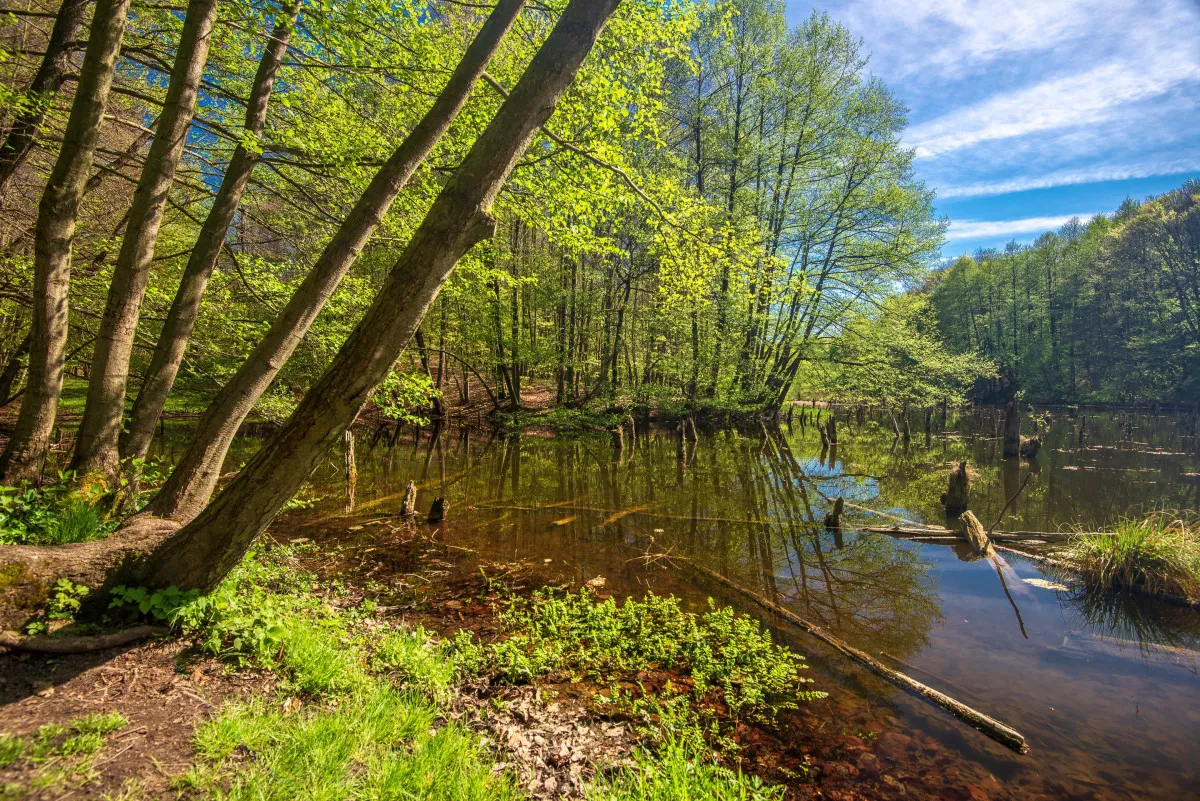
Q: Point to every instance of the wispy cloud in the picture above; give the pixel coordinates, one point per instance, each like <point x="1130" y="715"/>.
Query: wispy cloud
<point x="1089" y="98"/>
<point x="1073" y="177"/>
<point x="982" y="229"/>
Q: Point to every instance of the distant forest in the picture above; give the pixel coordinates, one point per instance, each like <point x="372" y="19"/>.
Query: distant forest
<point x="1101" y="311"/>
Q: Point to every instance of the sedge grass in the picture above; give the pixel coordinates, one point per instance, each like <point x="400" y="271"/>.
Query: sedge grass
<point x="1157" y="555"/>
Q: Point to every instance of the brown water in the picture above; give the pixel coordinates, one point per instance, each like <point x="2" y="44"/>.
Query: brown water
<point x="1108" y="694"/>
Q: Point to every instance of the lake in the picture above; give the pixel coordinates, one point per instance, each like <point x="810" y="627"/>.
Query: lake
<point x="1107" y="692"/>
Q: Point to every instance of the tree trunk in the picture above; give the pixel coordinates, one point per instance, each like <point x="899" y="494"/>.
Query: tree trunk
<point x="195" y="476"/>
<point x="1012" y="428"/>
<point x="51" y="74"/>
<point x="99" y="431"/>
<point x="22" y="458"/>
<point x="203" y="552"/>
<point x="185" y="308"/>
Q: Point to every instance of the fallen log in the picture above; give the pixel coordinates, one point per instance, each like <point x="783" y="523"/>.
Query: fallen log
<point x="1000" y="732"/>
<point x="44" y="644"/>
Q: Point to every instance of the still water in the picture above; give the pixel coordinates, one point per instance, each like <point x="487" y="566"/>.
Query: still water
<point x="1107" y="694"/>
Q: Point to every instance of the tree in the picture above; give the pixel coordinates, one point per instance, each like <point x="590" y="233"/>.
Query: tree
<point x="22" y="457"/>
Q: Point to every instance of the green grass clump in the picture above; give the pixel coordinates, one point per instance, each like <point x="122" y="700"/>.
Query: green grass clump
<point x="719" y="650"/>
<point x="676" y="772"/>
<point x="62" y="755"/>
<point x="1159" y="555"/>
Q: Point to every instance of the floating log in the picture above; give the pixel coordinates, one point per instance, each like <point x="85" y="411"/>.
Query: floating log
<point x="408" y="506"/>
<point x="958" y="493"/>
<point x="1012" y="428"/>
<point x="437" y="511"/>
<point x="834" y="518"/>
<point x="1000" y="732"/>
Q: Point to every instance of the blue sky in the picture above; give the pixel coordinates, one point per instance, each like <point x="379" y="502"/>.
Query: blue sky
<point x="1025" y="113"/>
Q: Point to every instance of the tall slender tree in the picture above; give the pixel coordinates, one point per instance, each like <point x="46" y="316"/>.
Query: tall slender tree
<point x="96" y="449"/>
<point x="57" y="213"/>
<point x="181" y="319"/>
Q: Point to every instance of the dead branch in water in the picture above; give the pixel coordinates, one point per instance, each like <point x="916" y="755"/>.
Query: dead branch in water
<point x="1000" y="732"/>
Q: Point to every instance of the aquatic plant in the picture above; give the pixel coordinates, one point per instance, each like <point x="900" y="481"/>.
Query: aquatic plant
<point x="1157" y="555"/>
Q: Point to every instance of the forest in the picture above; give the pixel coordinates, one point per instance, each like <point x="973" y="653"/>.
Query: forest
<point x="1106" y="310"/>
<point x="277" y="274"/>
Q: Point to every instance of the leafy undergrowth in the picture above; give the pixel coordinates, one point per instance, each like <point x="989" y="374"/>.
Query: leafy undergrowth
<point x="1158" y="555"/>
<point x="363" y="708"/>
<point x="52" y="515"/>
<point x="719" y="652"/>
<point x="62" y="757"/>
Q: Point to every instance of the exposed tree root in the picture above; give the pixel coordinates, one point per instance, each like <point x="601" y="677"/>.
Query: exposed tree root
<point x="28" y="573"/>
<point x="44" y="644"/>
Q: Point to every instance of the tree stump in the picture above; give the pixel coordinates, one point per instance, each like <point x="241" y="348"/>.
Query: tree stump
<point x="1012" y="428"/>
<point x="958" y="494"/>
<point x="976" y="534"/>
<point x="834" y="518"/>
<point x="831" y="428"/>
<point x="437" y="511"/>
<point x="408" y="508"/>
<point x="1030" y="446"/>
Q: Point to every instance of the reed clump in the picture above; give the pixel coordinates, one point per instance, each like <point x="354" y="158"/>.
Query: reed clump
<point x="1156" y="555"/>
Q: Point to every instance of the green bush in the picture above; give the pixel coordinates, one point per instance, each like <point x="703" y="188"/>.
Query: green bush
<point x="51" y="515"/>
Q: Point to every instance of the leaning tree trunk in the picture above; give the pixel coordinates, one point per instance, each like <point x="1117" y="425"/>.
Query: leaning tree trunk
<point x="100" y="429"/>
<point x="195" y="476"/>
<point x="202" y="553"/>
<point x="185" y="309"/>
<point x="22" y="458"/>
<point x="51" y="75"/>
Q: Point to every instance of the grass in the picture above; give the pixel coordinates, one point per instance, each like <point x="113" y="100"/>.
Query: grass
<point x="60" y="756"/>
<point x="1158" y="555"/>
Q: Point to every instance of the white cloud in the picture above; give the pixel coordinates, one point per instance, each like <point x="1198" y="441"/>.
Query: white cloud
<point x="1085" y="175"/>
<point x="1086" y="99"/>
<point x="979" y="229"/>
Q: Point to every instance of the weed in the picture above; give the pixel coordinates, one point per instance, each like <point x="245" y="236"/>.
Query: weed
<point x="678" y="770"/>
<point x="55" y="514"/>
<point x="61" y="755"/>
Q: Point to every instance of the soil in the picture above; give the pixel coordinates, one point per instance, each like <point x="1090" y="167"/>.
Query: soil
<point x="164" y="689"/>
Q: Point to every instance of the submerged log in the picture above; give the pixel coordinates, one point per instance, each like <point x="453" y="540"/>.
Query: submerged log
<point x="834" y="518"/>
<point x="1012" y="428"/>
<point x="958" y="493"/>
<point x="998" y="731"/>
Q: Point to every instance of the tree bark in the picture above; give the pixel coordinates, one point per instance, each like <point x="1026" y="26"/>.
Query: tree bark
<point x="99" y="431"/>
<point x="203" y="552"/>
<point x="59" y="206"/>
<point x="195" y="476"/>
<point x="51" y="74"/>
<point x="185" y="308"/>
